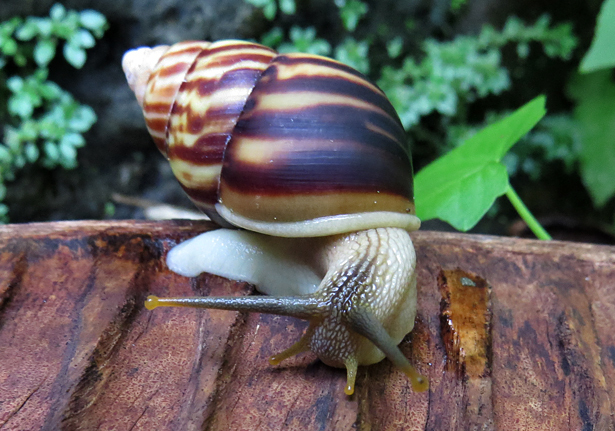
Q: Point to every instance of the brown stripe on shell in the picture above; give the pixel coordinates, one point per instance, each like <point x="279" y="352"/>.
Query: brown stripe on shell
<point x="232" y="78"/>
<point x="247" y="47"/>
<point x="157" y="108"/>
<point x="207" y="150"/>
<point x="296" y="81"/>
<point x="157" y="124"/>
<point x="201" y="195"/>
<point x="231" y="58"/>
<point x="316" y="60"/>
<point x="301" y="66"/>
<point x="205" y="112"/>
<point x="323" y="122"/>
<point x="163" y="85"/>
<point x="293" y="208"/>
<point x="197" y="177"/>
<point x="173" y="69"/>
<point x="187" y="47"/>
<point x="307" y="166"/>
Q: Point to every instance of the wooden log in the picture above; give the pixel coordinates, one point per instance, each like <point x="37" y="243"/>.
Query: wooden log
<point x="513" y="335"/>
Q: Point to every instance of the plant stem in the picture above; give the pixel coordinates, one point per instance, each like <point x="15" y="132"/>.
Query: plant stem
<point x="526" y="215"/>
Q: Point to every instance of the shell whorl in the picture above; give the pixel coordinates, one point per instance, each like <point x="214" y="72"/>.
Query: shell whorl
<point x="271" y="140"/>
<point x="138" y="65"/>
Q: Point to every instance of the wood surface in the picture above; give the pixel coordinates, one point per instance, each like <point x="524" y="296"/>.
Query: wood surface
<point x="513" y="335"/>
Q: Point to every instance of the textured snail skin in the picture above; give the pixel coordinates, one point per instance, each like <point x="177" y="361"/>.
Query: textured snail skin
<point x="308" y="152"/>
<point x="324" y="280"/>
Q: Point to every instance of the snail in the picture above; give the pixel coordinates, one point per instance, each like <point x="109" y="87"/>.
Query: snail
<point x="307" y="157"/>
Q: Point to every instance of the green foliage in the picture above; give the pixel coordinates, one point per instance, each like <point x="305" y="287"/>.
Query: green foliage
<point x="595" y="110"/>
<point x="270" y="7"/>
<point x="351" y="11"/>
<point x="557" y="42"/>
<point x="305" y="40"/>
<point x="601" y="53"/>
<point x="595" y="114"/>
<point x="466" y="68"/>
<point x="43" y="123"/>
<point x="456" y="5"/>
<point x="353" y="53"/>
<point x="461" y="186"/>
<point x="395" y="46"/>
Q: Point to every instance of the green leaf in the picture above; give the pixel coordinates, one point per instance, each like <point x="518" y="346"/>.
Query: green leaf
<point x="456" y="5"/>
<point x="9" y="47"/>
<point x="601" y="53"/>
<point x="31" y="152"/>
<point x="68" y="155"/>
<point x="44" y="51"/>
<point x="259" y="3"/>
<point x="269" y="7"/>
<point x="63" y="30"/>
<point x="15" y="84"/>
<point x="74" y="55"/>
<point x="57" y="12"/>
<point x="50" y="90"/>
<point x="288" y="7"/>
<point x="5" y="155"/>
<point x="109" y="209"/>
<point x="595" y="112"/>
<point x="28" y="130"/>
<point x="12" y="139"/>
<point x="270" y="11"/>
<point x="27" y="31"/>
<point x="51" y="152"/>
<point x="351" y="12"/>
<point x="461" y="186"/>
<point x="82" y="119"/>
<point x="20" y="59"/>
<point x="44" y="26"/>
<point x="354" y="54"/>
<point x="73" y="139"/>
<point x="82" y="38"/>
<point x="273" y="37"/>
<point x="19" y="161"/>
<point x="93" y="20"/>
<point x="20" y="104"/>
<point x="395" y="46"/>
<point x="304" y="40"/>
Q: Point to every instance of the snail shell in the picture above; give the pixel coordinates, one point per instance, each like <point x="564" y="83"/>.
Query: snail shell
<point x="290" y="146"/>
<point x="286" y="145"/>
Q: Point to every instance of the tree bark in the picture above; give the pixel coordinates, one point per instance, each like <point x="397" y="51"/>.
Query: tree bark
<point x="513" y="335"/>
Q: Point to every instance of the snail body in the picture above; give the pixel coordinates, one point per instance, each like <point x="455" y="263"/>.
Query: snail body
<point x="308" y="157"/>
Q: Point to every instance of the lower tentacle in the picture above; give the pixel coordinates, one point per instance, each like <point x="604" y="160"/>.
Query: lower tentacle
<point x="303" y="345"/>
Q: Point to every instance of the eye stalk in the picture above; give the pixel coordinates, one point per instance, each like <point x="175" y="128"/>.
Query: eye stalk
<point x="315" y="311"/>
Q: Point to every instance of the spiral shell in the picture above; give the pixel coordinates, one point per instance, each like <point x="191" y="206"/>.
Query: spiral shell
<point x="284" y="144"/>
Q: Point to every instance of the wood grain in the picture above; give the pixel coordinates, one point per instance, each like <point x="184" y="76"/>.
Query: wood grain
<point x="78" y="351"/>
